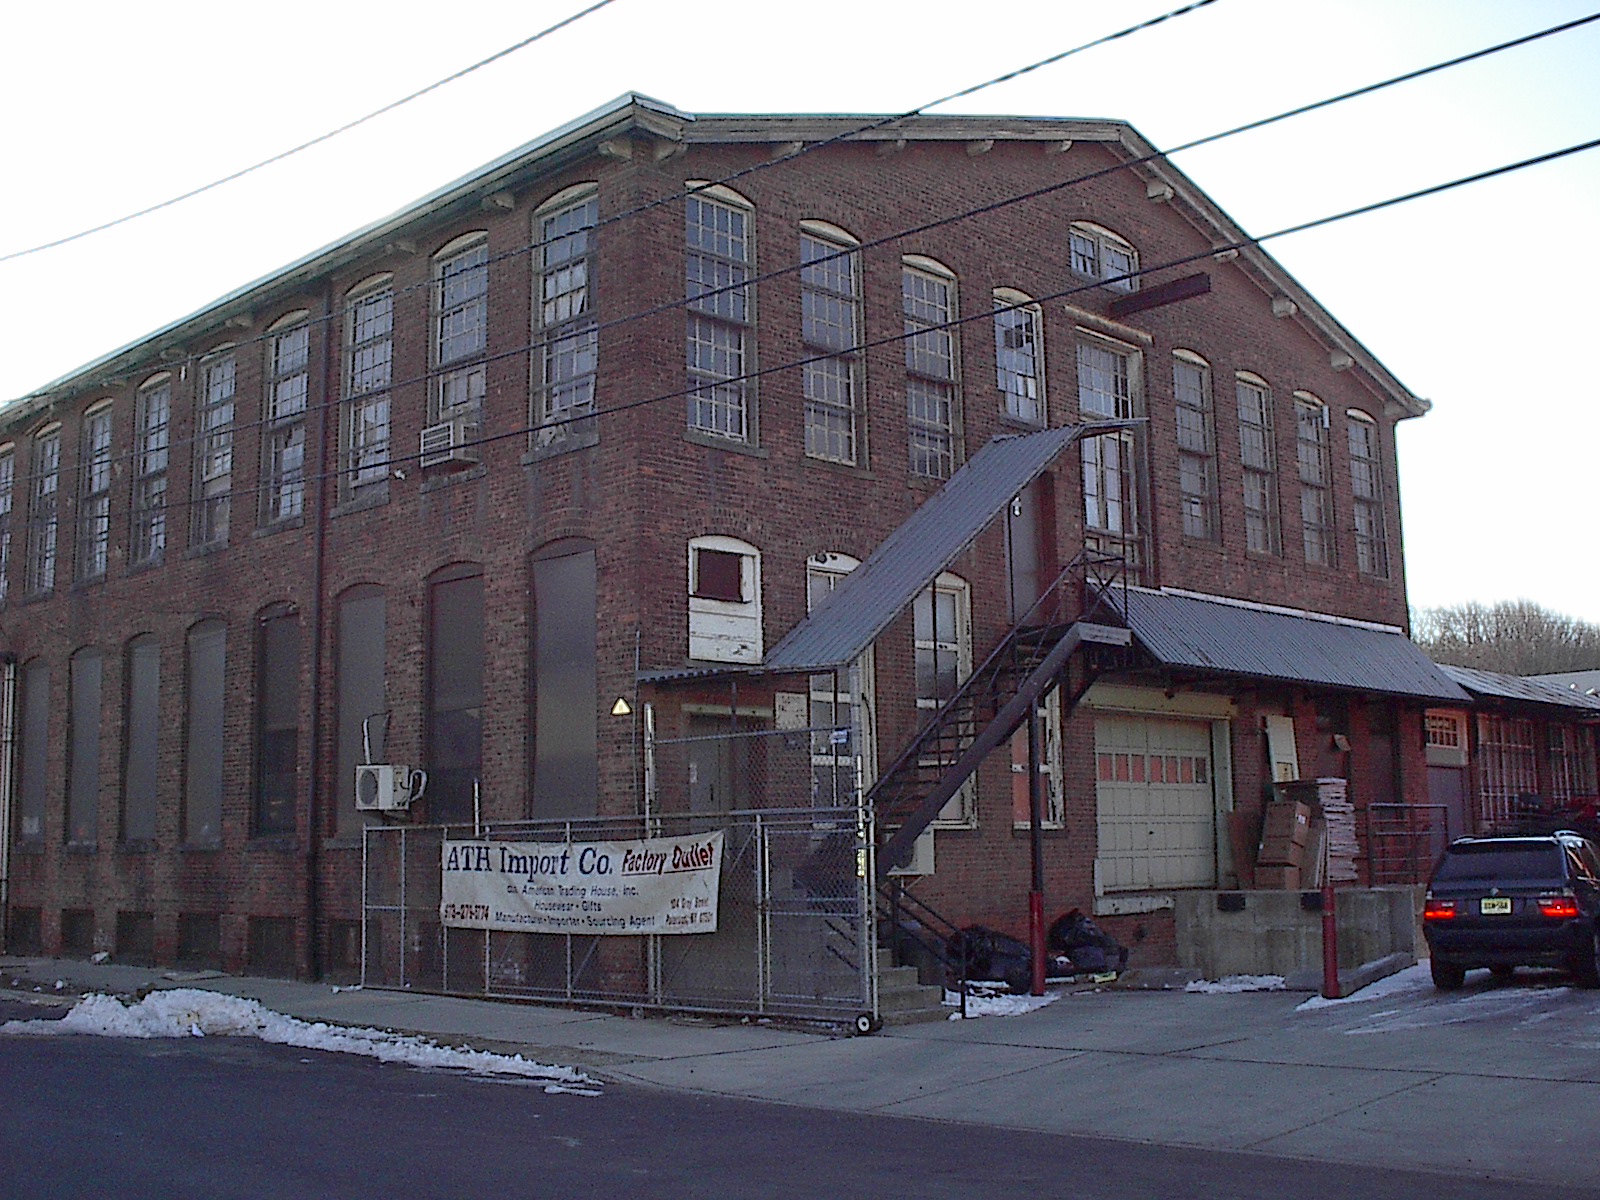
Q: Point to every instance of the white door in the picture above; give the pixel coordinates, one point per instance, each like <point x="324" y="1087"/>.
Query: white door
<point x="1155" y="803"/>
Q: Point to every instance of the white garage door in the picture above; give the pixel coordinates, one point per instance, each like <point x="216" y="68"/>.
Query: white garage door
<point x="1157" y="812"/>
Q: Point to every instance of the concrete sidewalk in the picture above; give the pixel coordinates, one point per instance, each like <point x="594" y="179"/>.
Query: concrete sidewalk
<point x="1497" y="1082"/>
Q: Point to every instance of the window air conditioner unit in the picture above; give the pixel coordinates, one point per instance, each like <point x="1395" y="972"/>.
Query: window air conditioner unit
<point x="921" y="856"/>
<point x="447" y="442"/>
<point x="383" y="787"/>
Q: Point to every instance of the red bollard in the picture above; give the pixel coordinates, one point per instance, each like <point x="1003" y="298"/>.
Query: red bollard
<point x="1330" y="934"/>
<point x="1036" y="939"/>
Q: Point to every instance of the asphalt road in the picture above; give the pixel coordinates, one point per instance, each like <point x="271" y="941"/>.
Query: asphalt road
<point x="230" y="1117"/>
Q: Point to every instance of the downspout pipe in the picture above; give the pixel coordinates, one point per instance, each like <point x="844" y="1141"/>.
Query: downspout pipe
<point x="8" y="783"/>
<point x="331" y="361"/>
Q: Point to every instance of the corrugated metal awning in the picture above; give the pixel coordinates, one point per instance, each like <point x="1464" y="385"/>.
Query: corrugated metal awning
<point x="909" y="559"/>
<point x="1525" y="689"/>
<point x="1234" y="639"/>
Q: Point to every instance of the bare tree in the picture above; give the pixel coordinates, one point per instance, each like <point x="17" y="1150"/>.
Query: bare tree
<point x="1516" y="637"/>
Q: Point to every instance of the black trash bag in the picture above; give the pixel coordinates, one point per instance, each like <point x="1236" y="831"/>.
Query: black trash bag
<point x="1088" y="946"/>
<point x="991" y="956"/>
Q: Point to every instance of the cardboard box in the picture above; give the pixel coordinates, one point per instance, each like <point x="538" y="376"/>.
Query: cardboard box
<point x="1287" y="819"/>
<point x="1283" y="879"/>
<point x="1280" y="852"/>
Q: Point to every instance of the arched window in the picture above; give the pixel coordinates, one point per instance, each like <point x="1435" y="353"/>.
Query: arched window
<point x="141" y="725"/>
<point x="724" y="600"/>
<point x="362" y="703"/>
<point x="33" y="776"/>
<point x="213" y="450"/>
<point x="933" y="400"/>
<point x="1316" y="478"/>
<point x="283" y="439"/>
<point x="369" y="371"/>
<point x="94" y="492"/>
<point x="719" y="259"/>
<point x="454" y="669"/>
<point x="843" y="756"/>
<point x="277" y="720"/>
<point x="460" y="335"/>
<point x="1197" y="444"/>
<point x="1258" y="454"/>
<point x="565" y="676"/>
<point x="152" y="419"/>
<point x="1097" y="253"/>
<point x="942" y="637"/>
<point x="1110" y="388"/>
<point x="83" y="746"/>
<point x="1366" y="484"/>
<point x="44" y="517"/>
<point x="564" y="319"/>
<point x="207" y="672"/>
<point x="830" y="330"/>
<point x="1019" y="355"/>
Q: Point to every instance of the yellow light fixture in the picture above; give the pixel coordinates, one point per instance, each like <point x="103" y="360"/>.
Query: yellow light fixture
<point x="621" y="708"/>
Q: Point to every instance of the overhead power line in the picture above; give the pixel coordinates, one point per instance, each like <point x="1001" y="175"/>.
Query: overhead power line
<point x="306" y="145"/>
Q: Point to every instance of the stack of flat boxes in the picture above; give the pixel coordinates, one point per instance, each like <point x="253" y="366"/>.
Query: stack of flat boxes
<point x="1282" y="853"/>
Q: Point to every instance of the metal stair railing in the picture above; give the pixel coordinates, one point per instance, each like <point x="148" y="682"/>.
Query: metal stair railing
<point x="995" y="699"/>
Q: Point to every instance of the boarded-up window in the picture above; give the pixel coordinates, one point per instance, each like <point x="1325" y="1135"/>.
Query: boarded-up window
<point x="35" y="749"/>
<point x="716" y="575"/>
<point x="83" y="743"/>
<point x="208" y="663"/>
<point x="455" y="696"/>
<point x="361" y="692"/>
<point x="565" y="694"/>
<point x="142" y="732"/>
<point x="277" y="722"/>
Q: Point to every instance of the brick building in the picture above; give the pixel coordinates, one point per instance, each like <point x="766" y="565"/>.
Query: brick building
<point x="560" y="434"/>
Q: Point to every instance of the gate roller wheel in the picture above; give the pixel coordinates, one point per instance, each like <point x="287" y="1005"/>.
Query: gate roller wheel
<point x="866" y="1023"/>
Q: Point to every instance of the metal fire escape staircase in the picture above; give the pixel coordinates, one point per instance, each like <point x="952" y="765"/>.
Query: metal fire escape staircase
<point x="1073" y="632"/>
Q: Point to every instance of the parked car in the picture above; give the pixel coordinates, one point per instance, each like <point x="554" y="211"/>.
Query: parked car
<point x="1508" y="902"/>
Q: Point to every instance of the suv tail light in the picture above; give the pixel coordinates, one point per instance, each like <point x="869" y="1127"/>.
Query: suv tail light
<point x="1559" y="908"/>
<point x="1435" y="910"/>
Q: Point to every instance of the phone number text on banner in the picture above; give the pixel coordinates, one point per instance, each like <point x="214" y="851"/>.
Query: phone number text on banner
<point x="659" y="885"/>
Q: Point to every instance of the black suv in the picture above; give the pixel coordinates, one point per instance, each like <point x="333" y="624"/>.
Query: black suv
<point x="1508" y="902"/>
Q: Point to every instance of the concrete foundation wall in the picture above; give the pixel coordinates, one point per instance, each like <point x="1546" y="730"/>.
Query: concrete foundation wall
<point x="1275" y="933"/>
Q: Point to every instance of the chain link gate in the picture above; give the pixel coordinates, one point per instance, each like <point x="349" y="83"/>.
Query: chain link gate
<point x="795" y="934"/>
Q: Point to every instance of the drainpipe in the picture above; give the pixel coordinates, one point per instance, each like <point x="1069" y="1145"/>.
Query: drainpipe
<point x="330" y="397"/>
<point x="1036" y="848"/>
<point x="8" y="781"/>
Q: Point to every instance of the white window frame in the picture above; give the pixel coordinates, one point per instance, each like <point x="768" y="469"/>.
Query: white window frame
<point x="216" y="397"/>
<point x="460" y="335"/>
<point x="152" y="448"/>
<point x="1366" y="487"/>
<point x="1258" y="456"/>
<point x="1019" y="356"/>
<point x="366" y="431"/>
<point x="829" y="692"/>
<point x="830" y="332"/>
<point x="1315" y="459"/>
<point x="719" y="257"/>
<point x="94" y="491"/>
<point x="283" y="442"/>
<point x="1196" y="430"/>
<point x="1097" y="253"/>
<point x="1112" y="475"/>
<point x="8" y="486"/>
<point x="567" y="360"/>
<point x="726" y="630"/>
<point x="44" y="511"/>
<point x="961" y="811"/>
<point x="929" y="302"/>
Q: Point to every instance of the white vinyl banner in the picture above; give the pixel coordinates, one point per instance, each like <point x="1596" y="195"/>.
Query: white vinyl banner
<point x="660" y="885"/>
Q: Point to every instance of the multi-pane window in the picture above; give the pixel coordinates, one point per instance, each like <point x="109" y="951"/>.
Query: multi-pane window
<point x="214" y="449"/>
<point x="1507" y="766"/>
<point x="8" y="484"/>
<point x="461" y="332"/>
<point x="1197" y="446"/>
<point x="717" y="266"/>
<point x="94" y="493"/>
<point x="369" y="369"/>
<point x="277" y="721"/>
<point x="1570" y="762"/>
<point x="1366" y="484"/>
<point x="942" y="633"/>
<point x="44" y="510"/>
<point x="1018" y="356"/>
<point x="1100" y="254"/>
<point x="929" y="301"/>
<point x="1259" y="457"/>
<point x="1108" y="390"/>
<point x="830" y="327"/>
<point x="1316" y="479"/>
<point x="284" y="438"/>
<point x="840" y="703"/>
<point x="152" y="419"/>
<point x="564" y="318"/>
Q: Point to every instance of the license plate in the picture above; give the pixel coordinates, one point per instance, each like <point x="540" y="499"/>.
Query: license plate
<point x="1491" y="906"/>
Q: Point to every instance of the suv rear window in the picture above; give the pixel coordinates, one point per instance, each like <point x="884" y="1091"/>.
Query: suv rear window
<point x="1501" y="860"/>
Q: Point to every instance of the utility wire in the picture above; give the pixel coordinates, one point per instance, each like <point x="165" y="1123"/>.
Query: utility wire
<point x="403" y="460"/>
<point x="316" y="141"/>
<point x="981" y="210"/>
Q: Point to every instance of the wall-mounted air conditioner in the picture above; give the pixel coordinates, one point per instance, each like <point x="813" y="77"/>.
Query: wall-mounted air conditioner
<point x="921" y="856"/>
<point x="384" y="787"/>
<point x="449" y="441"/>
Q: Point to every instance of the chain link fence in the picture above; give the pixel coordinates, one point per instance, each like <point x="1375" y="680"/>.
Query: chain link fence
<point x="794" y="930"/>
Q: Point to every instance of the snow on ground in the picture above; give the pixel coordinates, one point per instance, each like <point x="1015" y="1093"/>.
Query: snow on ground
<point x="1236" y="983"/>
<point x="189" y="1012"/>
<point x="997" y="1004"/>
<point x="1412" y="979"/>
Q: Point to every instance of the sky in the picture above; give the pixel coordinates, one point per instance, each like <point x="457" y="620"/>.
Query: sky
<point x="1478" y="299"/>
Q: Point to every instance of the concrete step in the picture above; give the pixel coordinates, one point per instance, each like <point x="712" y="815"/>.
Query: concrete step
<point x="904" y="1001"/>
